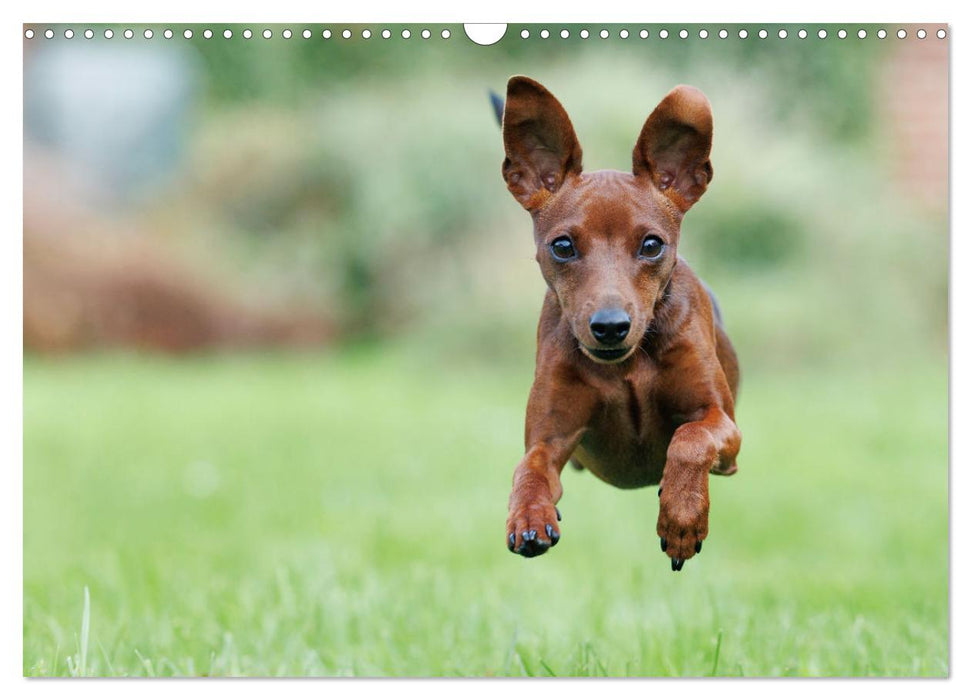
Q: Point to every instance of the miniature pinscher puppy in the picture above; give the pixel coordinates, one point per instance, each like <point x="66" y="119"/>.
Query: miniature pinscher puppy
<point x="635" y="377"/>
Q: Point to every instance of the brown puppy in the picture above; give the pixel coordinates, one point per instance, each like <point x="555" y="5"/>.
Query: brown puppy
<point x="635" y="377"/>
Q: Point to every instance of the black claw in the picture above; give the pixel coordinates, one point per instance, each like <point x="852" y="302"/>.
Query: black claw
<point x="532" y="548"/>
<point x="512" y="541"/>
<point x="555" y="537"/>
<point x="664" y="545"/>
<point x="558" y="516"/>
<point x="659" y="491"/>
<point x="549" y="531"/>
<point x="676" y="564"/>
<point x="698" y="547"/>
<point x="529" y="535"/>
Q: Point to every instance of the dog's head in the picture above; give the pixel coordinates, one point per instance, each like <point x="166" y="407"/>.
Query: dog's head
<point x="606" y="241"/>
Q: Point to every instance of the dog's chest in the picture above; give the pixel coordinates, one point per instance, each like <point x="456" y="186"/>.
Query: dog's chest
<point x="627" y="439"/>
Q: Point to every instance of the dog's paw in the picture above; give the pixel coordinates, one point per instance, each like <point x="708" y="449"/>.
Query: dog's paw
<point x="682" y="525"/>
<point x="532" y="529"/>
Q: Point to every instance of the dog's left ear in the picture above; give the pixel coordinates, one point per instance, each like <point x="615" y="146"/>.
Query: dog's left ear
<point x="674" y="146"/>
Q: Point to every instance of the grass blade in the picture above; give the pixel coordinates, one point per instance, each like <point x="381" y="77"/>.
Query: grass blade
<point x="718" y="649"/>
<point x="85" y="630"/>
<point x="511" y="651"/>
<point x="146" y="664"/>
<point x="111" y="668"/>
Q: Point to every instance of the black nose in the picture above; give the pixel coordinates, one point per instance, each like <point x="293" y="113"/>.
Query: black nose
<point x="610" y="326"/>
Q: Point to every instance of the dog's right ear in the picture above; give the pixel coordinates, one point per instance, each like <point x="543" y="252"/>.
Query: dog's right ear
<point x="541" y="146"/>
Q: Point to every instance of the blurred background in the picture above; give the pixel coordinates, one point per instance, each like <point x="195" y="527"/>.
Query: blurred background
<point x="246" y="258"/>
<point x="189" y="194"/>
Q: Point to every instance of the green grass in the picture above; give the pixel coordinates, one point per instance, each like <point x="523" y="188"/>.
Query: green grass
<point x="312" y="515"/>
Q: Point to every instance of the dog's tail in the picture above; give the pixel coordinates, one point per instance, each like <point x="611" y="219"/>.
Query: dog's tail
<point x="498" y="105"/>
<point x="714" y="304"/>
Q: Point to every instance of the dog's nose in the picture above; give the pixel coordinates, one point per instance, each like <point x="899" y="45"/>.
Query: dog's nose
<point x="610" y="326"/>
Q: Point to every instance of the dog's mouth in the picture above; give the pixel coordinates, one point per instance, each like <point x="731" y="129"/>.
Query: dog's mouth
<point x="608" y="356"/>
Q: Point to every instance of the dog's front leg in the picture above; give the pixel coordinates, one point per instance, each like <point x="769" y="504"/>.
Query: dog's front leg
<point x="695" y="449"/>
<point x="556" y="418"/>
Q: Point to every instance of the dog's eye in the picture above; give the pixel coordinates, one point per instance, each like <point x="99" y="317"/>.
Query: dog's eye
<point x="651" y="248"/>
<point x="562" y="249"/>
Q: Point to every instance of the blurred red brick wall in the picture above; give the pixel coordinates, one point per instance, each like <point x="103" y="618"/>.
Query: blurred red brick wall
<point x="913" y="98"/>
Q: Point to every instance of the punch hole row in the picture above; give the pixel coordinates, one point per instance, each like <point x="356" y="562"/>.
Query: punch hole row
<point x="245" y="34"/>
<point x="724" y="34"/>
<point x="445" y="34"/>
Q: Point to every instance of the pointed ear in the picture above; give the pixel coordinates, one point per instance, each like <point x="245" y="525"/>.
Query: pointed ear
<point x="674" y="145"/>
<point x="541" y="147"/>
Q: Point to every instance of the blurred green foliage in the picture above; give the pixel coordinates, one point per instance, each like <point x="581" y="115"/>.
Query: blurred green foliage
<point x="748" y="236"/>
<point x="827" y="82"/>
<point x="362" y="176"/>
